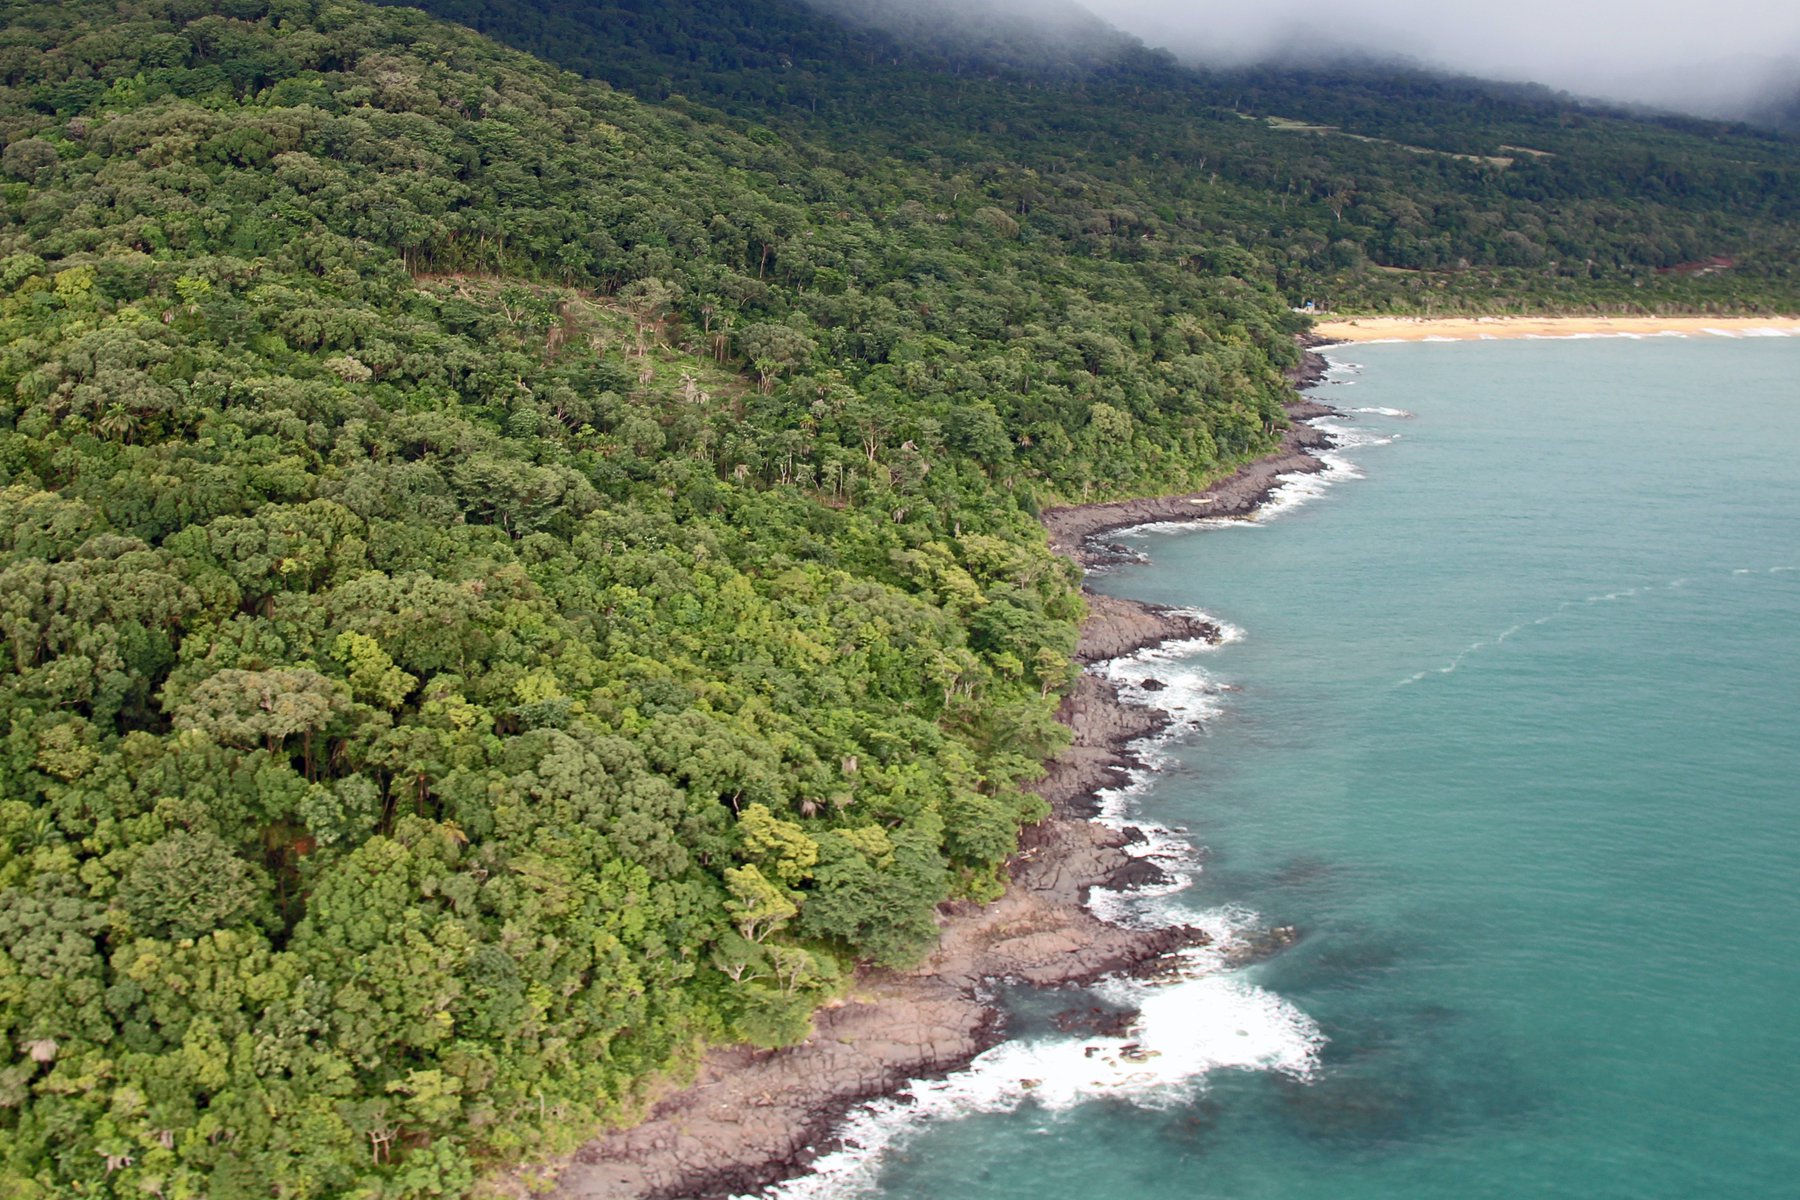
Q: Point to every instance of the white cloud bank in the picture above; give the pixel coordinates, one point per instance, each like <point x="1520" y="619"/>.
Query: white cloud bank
<point x="1709" y="56"/>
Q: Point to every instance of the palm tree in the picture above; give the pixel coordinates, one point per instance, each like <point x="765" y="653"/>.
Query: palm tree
<point x="119" y="423"/>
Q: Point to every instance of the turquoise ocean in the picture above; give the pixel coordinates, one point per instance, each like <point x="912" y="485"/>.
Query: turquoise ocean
<point x="1508" y="729"/>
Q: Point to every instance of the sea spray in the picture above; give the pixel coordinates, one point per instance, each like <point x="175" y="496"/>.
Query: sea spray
<point x="1192" y="1017"/>
<point x="1295" y="488"/>
<point x="1190" y="1022"/>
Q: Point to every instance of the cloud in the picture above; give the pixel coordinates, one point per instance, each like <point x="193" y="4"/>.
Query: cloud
<point x="1702" y="56"/>
<point x="1716" y="57"/>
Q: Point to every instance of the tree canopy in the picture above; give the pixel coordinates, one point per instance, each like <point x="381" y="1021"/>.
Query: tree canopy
<point x="505" y="583"/>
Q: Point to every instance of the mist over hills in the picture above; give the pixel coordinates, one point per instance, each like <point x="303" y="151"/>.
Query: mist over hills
<point x="1734" y="61"/>
<point x="1432" y="175"/>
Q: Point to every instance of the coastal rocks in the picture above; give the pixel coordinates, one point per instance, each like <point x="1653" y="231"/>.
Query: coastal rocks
<point x="1313" y="367"/>
<point x="1104" y="555"/>
<point x="1096" y="759"/>
<point x="1094" y="1021"/>
<point x="1073" y="530"/>
<point x="1262" y="943"/>
<point x="1138" y="873"/>
<point x="1308" y="410"/>
<point x="753" y="1118"/>
<point x="1116" y="628"/>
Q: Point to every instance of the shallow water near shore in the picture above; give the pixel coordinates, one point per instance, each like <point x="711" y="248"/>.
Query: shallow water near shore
<point x="1513" y="744"/>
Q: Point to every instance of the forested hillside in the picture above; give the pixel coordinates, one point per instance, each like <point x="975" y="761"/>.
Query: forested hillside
<point x="503" y="584"/>
<point x="1361" y="189"/>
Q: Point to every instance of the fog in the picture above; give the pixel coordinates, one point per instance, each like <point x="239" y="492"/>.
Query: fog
<point x="1716" y="58"/>
<point x="1705" y="57"/>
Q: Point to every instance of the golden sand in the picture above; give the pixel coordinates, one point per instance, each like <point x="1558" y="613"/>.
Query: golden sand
<point x="1462" y="329"/>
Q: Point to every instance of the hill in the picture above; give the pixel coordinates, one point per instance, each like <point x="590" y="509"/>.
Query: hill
<point x="506" y="582"/>
<point x="1366" y="188"/>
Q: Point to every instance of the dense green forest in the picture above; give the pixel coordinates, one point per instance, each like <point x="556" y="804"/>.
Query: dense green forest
<point x="505" y="583"/>
<point x="1361" y="189"/>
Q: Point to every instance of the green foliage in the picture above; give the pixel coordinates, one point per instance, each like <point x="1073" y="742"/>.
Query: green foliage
<point x="186" y="885"/>
<point x="1375" y="189"/>
<point x="502" y="583"/>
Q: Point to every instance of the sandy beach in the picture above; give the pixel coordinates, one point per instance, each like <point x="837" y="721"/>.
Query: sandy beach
<point x="1462" y="329"/>
<point x="752" y="1118"/>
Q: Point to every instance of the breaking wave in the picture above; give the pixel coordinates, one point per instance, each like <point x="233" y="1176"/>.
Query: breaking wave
<point x="1195" y="1017"/>
<point x="1197" y="1022"/>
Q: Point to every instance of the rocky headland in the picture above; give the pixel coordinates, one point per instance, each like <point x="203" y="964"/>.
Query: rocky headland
<point x="752" y="1118"/>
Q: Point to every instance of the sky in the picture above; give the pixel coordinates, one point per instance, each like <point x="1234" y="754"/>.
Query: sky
<point x="1682" y="54"/>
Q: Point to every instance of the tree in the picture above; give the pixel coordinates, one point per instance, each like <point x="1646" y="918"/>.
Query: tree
<point x="757" y="906"/>
<point x="247" y="708"/>
<point x="373" y="675"/>
<point x="774" y="350"/>
<point x="187" y="884"/>
<point x="781" y="847"/>
<point x="648" y="300"/>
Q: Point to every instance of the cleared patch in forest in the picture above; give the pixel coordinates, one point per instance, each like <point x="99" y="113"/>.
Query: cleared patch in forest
<point x="1290" y="125"/>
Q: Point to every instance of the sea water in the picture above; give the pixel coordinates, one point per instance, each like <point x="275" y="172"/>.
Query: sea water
<point x="1508" y="729"/>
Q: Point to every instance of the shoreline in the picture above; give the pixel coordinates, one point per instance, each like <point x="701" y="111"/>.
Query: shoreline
<point x="751" y="1119"/>
<point x="1462" y="329"/>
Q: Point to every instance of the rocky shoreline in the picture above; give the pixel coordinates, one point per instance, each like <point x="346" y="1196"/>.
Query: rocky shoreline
<point x="753" y="1118"/>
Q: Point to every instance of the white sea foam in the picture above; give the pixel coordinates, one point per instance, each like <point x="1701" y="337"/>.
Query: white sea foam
<point x="1188" y="692"/>
<point x="1190" y="695"/>
<point x="1290" y="492"/>
<point x="1378" y="411"/>
<point x="1350" y="437"/>
<point x="1590" y="335"/>
<point x="1725" y="333"/>
<point x="1195" y="1022"/>
<point x="1299" y="488"/>
<point x="1196" y="1017"/>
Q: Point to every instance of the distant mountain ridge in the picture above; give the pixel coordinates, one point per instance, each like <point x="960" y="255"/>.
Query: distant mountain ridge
<point x="1344" y="179"/>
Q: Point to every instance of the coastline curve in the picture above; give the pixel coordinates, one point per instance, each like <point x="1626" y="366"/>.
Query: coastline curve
<point x="753" y="1119"/>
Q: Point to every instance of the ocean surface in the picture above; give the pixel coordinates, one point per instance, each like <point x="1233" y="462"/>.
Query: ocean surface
<point x="1508" y="729"/>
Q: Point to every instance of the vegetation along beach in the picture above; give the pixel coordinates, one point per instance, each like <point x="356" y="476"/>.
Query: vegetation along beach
<point x="553" y="554"/>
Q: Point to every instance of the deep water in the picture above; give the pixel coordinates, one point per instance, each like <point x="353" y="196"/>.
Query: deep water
<point x="1517" y="749"/>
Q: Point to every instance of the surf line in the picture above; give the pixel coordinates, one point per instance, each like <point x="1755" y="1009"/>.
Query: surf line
<point x="1196" y="1016"/>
